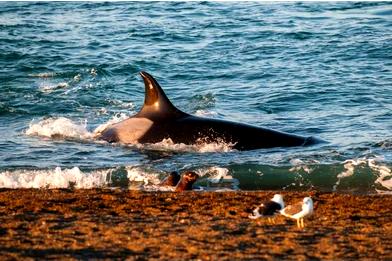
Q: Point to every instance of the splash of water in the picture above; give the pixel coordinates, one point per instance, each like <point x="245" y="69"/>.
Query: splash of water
<point x="57" y="178"/>
<point x="200" y="146"/>
<point x="59" y="128"/>
<point x="64" y="128"/>
<point x="218" y="177"/>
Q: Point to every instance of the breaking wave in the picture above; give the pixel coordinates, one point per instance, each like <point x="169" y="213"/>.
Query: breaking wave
<point x="60" y="128"/>
<point x="129" y="177"/>
<point x="358" y="176"/>
<point x="57" y="178"/>
<point x="370" y="174"/>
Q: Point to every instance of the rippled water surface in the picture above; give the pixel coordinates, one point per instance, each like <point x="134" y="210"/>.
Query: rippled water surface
<point x="313" y="69"/>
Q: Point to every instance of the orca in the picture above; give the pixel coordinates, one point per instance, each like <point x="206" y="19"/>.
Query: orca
<point x="159" y="119"/>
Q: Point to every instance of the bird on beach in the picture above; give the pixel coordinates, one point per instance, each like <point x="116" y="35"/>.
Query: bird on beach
<point x="299" y="211"/>
<point x="269" y="208"/>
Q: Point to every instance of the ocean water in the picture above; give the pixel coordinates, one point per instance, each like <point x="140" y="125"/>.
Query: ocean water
<point x="313" y="69"/>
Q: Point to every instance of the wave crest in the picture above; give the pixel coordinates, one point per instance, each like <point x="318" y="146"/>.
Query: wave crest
<point x="60" y="128"/>
<point x="50" y="179"/>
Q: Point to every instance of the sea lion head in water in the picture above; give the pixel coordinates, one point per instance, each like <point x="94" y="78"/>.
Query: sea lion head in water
<point x="171" y="180"/>
<point x="187" y="180"/>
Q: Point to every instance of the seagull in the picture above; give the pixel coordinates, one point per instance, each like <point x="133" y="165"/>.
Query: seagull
<point x="269" y="208"/>
<point x="299" y="211"/>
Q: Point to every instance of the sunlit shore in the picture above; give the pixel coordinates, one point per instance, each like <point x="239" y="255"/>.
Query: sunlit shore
<point x="191" y="225"/>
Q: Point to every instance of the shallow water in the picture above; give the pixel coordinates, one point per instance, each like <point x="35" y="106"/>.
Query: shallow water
<point x="313" y="69"/>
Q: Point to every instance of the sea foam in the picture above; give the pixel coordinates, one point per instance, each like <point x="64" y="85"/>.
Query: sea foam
<point x="129" y="177"/>
<point x="50" y="179"/>
<point x="67" y="129"/>
<point x="204" y="113"/>
<point x="218" y="178"/>
<point x="59" y="128"/>
<point x="382" y="172"/>
<point x="200" y="146"/>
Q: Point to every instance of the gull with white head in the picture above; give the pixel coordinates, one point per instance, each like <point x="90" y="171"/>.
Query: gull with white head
<point x="269" y="208"/>
<point x="299" y="211"/>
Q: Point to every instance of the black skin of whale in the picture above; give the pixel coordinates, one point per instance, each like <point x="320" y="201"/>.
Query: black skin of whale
<point x="166" y="121"/>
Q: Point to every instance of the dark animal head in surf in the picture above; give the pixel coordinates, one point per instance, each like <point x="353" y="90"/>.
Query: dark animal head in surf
<point x="187" y="180"/>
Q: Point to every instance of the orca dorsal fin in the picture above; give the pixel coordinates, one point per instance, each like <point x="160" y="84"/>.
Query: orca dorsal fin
<point x="156" y="103"/>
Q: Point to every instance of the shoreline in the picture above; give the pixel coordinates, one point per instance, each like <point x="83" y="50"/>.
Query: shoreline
<point x="119" y="224"/>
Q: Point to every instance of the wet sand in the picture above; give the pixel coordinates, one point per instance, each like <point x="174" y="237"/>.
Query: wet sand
<point x="115" y="224"/>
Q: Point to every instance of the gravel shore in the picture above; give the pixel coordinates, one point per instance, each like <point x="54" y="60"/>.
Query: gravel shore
<point x="121" y="224"/>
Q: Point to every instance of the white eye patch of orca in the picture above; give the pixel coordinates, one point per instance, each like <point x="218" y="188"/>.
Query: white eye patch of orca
<point x="132" y="129"/>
